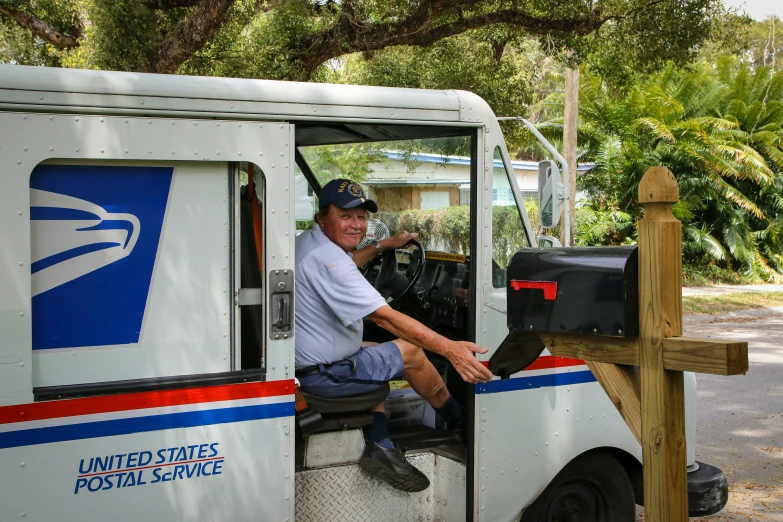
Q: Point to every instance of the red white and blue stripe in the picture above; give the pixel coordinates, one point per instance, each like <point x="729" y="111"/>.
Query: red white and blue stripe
<point x="106" y="416"/>
<point x="546" y="371"/>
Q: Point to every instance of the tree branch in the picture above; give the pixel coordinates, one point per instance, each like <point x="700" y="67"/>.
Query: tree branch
<point x="41" y="29"/>
<point x="349" y="35"/>
<point x="497" y="52"/>
<point x="165" y="5"/>
<point x="635" y="10"/>
<point x="191" y="34"/>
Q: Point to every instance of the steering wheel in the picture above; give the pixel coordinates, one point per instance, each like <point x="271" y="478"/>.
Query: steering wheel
<point x="390" y="283"/>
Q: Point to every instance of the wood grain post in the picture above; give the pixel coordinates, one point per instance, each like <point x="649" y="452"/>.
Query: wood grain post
<point x="660" y="316"/>
<point x="621" y="384"/>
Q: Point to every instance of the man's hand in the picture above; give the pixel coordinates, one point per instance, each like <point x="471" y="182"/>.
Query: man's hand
<point x="368" y="253"/>
<point x="398" y="240"/>
<point x="470" y="369"/>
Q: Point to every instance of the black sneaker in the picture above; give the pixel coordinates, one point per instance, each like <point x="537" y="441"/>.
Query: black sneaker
<point x="390" y="465"/>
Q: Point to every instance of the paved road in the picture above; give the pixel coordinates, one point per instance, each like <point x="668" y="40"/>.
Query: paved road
<point x="740" y="419"/>
<point x="729" y="289"/>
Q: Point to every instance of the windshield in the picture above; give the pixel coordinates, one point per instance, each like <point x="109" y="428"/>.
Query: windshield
<point x="420" y="185"/>
<point x="423" y="186"/>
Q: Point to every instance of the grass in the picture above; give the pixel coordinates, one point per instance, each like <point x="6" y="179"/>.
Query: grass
<point x="716" y="304"/>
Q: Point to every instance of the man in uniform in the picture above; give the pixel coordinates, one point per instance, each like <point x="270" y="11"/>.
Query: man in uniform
<point x="332" y="299"/>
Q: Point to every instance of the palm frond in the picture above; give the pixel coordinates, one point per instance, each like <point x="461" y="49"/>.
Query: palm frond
<point x="700" y="240"/>
<point x="658" y="128"/>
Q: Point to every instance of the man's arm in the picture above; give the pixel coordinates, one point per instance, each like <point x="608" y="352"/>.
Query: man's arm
<point x="459" y="353"/>
<point x="366" y="254"/>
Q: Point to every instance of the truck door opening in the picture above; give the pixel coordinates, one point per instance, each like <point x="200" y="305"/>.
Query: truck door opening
<point x="417" y="184"/>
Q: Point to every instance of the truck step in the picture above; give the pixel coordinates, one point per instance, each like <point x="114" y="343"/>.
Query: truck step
<point x="347" y="493"/>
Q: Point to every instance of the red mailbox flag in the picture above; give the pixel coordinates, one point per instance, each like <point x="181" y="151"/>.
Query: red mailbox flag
<point x="549" y="287"/>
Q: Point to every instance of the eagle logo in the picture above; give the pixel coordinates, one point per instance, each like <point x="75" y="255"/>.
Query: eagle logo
<point x="75" y="237"/>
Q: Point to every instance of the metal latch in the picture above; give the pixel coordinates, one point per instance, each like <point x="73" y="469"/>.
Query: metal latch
<point x="250" y="297"/>
<point x="281" y="309"/>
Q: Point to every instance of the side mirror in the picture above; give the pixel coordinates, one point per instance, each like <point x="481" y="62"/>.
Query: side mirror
<point x="550" y="193"/>
<point x="548" y="242"/>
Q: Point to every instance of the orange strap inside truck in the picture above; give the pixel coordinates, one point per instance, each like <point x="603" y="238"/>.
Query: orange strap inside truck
<point x="258" y="225"/>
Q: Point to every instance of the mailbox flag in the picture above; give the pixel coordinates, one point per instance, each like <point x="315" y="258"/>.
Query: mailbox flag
<point x="549" y="287"/>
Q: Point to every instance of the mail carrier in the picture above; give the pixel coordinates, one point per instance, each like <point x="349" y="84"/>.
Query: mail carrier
<point x="147" y="309"/>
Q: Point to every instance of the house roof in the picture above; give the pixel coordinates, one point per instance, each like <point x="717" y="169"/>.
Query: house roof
<point x="465" y="160"/>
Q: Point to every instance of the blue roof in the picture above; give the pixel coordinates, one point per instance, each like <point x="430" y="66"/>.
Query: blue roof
<point x="465" y="160"/>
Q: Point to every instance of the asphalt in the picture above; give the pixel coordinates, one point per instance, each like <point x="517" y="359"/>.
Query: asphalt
<point x="739" y="420"/>
<point x="729" y="289"/>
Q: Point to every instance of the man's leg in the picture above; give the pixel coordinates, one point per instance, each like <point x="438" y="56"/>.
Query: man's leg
<point x="378" y="432"/>
<point x="422" y="375"/>
<point x="427" y="382"/>
<point x="381" y="458"/>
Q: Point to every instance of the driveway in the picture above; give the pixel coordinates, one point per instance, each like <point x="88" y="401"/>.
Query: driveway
<point x="739" y="420"/>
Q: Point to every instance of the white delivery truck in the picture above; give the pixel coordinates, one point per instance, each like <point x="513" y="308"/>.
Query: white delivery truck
<point x="146" y="315"/>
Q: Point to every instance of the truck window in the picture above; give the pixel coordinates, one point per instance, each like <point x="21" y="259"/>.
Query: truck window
<point x="508" y="229"/>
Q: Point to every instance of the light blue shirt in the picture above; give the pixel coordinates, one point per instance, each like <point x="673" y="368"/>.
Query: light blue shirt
<point x="332" y="298"/>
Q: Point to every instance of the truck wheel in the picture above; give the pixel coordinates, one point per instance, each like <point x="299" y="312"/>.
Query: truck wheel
<point x="592" y="488"/>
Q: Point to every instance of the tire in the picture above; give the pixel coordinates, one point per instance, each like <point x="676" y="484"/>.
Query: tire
<point x="594" y="487"/>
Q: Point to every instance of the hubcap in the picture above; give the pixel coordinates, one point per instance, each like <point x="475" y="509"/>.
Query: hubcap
<point x="578" y="501"/>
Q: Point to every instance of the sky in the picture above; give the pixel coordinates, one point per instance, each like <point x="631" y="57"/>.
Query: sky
<point x="759" y="9"/>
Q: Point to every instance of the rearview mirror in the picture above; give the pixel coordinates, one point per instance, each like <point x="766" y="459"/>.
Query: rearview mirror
<point x="550" y="194"/>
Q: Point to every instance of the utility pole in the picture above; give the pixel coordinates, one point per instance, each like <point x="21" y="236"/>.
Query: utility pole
<point x="570" y="125"/>
<point x="774" y="44"/>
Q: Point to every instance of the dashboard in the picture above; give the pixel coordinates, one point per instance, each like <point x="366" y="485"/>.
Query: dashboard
<point x="440" y="298"/>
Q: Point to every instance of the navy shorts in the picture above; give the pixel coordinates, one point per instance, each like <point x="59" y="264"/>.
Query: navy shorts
<point x="365" y="371"/>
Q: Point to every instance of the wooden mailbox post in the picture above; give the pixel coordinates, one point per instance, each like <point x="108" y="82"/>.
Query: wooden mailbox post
<point x="652" y="400"/>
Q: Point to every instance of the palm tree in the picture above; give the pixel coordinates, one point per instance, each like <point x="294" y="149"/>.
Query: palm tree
<point x="720" y="130"/>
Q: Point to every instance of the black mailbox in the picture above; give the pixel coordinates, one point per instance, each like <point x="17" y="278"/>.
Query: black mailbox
<point x="582" y="290"/>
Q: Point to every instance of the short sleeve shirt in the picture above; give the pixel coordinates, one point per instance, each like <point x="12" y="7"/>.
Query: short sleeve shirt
<point x="332" y="298"/>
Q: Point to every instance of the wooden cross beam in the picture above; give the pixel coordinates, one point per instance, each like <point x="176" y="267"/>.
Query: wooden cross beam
<point x="651" y="400"/>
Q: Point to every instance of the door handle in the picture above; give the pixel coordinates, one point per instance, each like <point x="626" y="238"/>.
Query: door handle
<point x="281" y="311"/>
<point x="281" y="299"/>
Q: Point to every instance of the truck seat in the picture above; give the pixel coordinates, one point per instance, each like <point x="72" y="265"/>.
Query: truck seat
<point x="352" y="411"/>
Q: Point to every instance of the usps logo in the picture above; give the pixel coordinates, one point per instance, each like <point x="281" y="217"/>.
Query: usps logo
<point x="95" y="232"/>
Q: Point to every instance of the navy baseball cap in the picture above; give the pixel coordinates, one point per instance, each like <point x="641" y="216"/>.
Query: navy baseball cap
<point x="345" y="193"/>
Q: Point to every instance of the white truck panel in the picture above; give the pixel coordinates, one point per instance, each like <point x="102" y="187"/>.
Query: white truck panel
<point x="559" y="413"/>
<point x="84" y="91"/>
<point x="279" y="237"/>
<point x="192" y="461"/>
<point x="201" y="89"/>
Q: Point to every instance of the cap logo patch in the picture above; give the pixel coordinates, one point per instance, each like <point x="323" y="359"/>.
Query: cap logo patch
<point x="352" y="188"/>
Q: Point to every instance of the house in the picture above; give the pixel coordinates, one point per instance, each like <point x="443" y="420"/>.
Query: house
<point x="439" y="181"/>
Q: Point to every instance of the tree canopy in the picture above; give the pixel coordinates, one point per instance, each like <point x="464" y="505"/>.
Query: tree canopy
<point x="294" y="39"/>
<point x="657" y="87"/>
